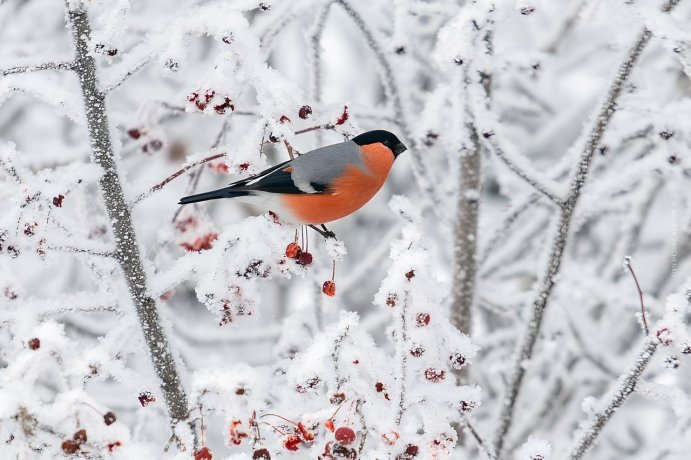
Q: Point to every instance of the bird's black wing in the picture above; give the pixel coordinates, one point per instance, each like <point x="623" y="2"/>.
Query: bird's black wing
<point x="278" y="179"/>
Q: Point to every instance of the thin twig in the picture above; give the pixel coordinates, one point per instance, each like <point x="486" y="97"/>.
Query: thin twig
<point x="619" y="394"/>
<point x="38" y="67"/>
<point x="627" y="264"/>
<point x="549" y="279"/>
<point x="177" y="174"/>
<point x="484" y="447"/>
<point x="524" y="170"/>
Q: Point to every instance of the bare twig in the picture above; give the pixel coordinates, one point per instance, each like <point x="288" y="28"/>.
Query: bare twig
<point x="37" y="67"/>
<point x="524" y="171"/>
<point x="626" y="385"/>
<point x="127" y="251"/>
<point x="177" y="174"/>
<point x="627" y="265"/>
<point x="549" y="279"/>
<point x="484" y="447"/>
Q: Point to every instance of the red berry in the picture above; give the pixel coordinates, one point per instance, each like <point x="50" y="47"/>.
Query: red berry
<point x="34" y="344"/>
<point x="344" y="116"/>
<point x="57" y="201"/>
<point x="391" y="300"/>
<point x="305" y="112"/>
<point x="329" y="288"/>
<point x="434" y="375"/>
<point x="134" y="133"/>
<point x="345" y="435"/>
<point x="292" y="442"/>
<point x="411" y="450"/>
<point x="146" y="398"/>
<point x="80" y="436"/>
<point x="410" y="274"/>
<point x="113" y="445"/>
<point x="109" y="418"/>
<point x="422" y="319"/>
<point x="203" y="454"/>
<point x="304" y="258"/>
<point x="293" y="251"/>
<point x="69" y="446"/>
<point x="283" y="119"/>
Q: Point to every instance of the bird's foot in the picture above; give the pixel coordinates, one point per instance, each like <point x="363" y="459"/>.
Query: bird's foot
<point x="325" y="232"/>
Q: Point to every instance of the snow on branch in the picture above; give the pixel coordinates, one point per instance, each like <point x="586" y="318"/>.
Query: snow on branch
<point x="620" y="392"/>
<point x="64" y="65"/>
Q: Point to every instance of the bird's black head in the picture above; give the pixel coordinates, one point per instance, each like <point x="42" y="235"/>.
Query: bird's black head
<point x="384" y="137"/>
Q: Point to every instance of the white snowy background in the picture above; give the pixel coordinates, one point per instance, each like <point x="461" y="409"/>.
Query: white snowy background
<point x="489" y="300"/>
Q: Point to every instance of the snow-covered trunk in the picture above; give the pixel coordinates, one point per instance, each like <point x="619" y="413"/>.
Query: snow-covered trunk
<point x="127" y="252"/>
<point x="465" y="247"/>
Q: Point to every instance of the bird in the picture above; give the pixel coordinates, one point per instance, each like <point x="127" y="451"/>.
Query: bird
<point x="321" y="185"/>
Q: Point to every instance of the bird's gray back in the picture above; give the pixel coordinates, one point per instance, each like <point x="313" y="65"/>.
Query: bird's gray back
<point x="323" y="165"/>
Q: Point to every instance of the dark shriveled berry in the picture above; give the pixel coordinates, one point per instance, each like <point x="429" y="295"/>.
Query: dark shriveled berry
<point x="109" y="418"/>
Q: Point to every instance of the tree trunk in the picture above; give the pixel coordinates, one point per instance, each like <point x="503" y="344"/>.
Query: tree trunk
<point x="127" y="251"/>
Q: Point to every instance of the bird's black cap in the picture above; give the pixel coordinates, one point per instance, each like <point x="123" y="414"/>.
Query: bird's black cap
<point x="385" y="137"/>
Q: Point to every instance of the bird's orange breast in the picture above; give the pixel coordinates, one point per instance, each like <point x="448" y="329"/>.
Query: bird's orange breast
<point x="347" y="193"/>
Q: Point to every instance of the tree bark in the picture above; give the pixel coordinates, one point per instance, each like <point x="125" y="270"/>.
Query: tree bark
<point x="127" y="251"/>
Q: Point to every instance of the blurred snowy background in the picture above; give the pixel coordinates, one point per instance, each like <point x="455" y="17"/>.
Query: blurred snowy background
<point x="485" y="306"/>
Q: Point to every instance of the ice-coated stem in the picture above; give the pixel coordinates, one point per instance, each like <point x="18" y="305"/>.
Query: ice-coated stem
<point x="37" y="67"/>
<point x="625" y="385"/>
<point x="126" y="252"/>
<point x="559" y="240"/>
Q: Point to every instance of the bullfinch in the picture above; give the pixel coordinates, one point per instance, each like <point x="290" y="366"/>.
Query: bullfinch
<point x="319" y="186"/>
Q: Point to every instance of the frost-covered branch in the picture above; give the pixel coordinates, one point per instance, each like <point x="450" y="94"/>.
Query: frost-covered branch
<point x="560" y="238"/>
<point x="127" y="250"/>
<point x="36" y="67"/>
<point x="626" y="385"/>
<point x="177" y="174"/>
<point x="484" y="447"/>
<point x="521" y="167"/>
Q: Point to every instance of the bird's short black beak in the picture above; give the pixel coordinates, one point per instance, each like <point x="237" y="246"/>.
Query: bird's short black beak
<point x="400" y="148"/>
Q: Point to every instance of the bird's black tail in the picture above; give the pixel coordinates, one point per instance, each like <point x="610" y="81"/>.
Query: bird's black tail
<point x="226" y="192"/>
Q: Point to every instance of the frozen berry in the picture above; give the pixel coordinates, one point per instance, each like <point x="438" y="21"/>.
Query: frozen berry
<point x="304" y="258"/>
<point x="203" y="454"/>
<point x="69" y="446"/>
<point x="411" y="450"/>
<point x="410" y="275"/>
<point x="261" y="454"/>
<point x="156" y="145"/>
<point x="34" y="344"/>
<point x="305" y="112"/>
<point x="345" y="435"/>
<point x="109" y="418"/>
<point x="146" y="398"/>
<point x="57" y="201"/>
<point x="80" y="436"/>
<point x="329" y="288"/>
<point x="134" y="133"/>
<point x="293" y="251"/>
<point x="422" y="319"/>
<point x="292" y="442"/>
<point x="434" y="375"/>
<point x="344" y="116"/>
<point x="457" y="360"/>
